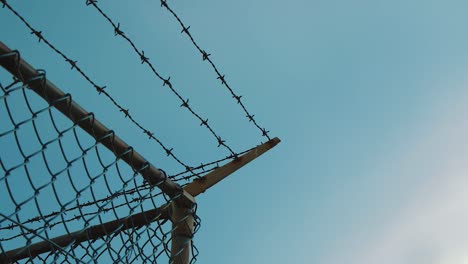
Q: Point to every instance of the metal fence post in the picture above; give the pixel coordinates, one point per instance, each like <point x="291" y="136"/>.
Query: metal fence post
<point x="182" y="233"/>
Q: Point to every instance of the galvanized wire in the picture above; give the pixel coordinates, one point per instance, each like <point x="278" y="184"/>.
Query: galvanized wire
<point x="51" y="163"/>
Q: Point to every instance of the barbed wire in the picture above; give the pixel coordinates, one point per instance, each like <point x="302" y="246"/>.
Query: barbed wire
<point x="215" y="164"/>
<point x="221" y="77"/>
<point x="166" y="81"/>
<point x="110" y="203"/>
<point x="99" y="89"/>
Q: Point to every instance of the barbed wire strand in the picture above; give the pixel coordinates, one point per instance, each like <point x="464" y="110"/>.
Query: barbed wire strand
<point x="99" y="89"/>
<point x="221" y="77"/>
<point x="166" y="81"/>
<point x="125" y="111"/>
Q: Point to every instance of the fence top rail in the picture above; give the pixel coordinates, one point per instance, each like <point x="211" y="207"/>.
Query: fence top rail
<point x="37" y="82"/>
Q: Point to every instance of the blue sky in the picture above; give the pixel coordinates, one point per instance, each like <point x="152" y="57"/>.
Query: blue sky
<point x="367" y="97"/>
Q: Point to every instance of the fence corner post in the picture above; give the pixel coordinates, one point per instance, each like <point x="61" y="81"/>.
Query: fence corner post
<point x="182" y="218"/>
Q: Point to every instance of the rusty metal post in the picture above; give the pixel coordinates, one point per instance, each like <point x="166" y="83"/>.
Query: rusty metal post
<point x="182" y="233"/>
<point x="200" y="185"/>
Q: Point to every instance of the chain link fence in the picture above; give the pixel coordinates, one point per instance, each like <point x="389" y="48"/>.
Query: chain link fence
<point x="71" y="190"/>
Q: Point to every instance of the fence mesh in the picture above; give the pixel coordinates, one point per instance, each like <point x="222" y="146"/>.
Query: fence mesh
<point x="57" y="180"/>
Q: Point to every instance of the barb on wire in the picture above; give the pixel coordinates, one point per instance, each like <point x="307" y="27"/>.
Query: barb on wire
<point x="126" y="111"/>
<point x="99" y="89"/>
<point x="166" y="82"/>
<point x="221" y="77"/>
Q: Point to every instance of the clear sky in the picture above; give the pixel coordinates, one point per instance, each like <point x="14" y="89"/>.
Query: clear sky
<point x="368" y="97"/>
